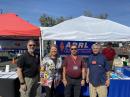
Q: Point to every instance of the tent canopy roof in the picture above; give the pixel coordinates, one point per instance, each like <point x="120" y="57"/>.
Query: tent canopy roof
<point x="13" y="25"/>
<point x="87" y="29"/>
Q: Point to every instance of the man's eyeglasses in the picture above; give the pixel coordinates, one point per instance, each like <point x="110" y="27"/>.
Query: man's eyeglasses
<point x="32" y="45"/>
<point x="73" y="48"/>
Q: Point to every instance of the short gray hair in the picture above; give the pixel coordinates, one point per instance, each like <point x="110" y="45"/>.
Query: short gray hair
<point x="96" y="45"/>
<point x="31" y="40"/>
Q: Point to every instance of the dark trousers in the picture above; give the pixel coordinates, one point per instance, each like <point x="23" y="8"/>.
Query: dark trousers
<point x="73" y="84"/>
<point x="51" y="92"/>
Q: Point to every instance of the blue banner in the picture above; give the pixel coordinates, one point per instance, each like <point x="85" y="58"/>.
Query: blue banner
<point x="15" y="44"/>
<point x="84" y="47"/>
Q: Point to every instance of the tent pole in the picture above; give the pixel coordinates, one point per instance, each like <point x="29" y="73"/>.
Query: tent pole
<point x="40" y="43"/>
<point x="42" y="48"/>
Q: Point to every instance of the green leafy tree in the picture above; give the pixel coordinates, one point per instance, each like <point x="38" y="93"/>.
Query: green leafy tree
<point x="48" y="21"/>
<point x="100" y="16"/>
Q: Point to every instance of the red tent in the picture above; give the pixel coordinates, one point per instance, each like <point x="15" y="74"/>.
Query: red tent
<point x="13" y="25"/>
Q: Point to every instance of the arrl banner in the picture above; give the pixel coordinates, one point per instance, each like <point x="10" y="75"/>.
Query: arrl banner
<point x="84" y="48"/>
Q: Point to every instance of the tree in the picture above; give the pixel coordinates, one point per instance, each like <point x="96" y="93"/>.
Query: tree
<point x="100" y="16"/>
<point x="88" y="13"/>
<point x="48" y="21"/>
<point x="103" y="16"/>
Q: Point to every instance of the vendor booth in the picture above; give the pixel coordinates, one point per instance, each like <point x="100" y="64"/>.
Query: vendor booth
<point x="14" y="33"/>
<point x="95" y="30"/>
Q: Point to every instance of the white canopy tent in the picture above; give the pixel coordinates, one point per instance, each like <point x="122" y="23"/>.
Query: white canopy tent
<point x="86" y="29"/>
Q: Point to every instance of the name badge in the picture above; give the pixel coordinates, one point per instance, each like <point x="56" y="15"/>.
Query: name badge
<point x="75" y="67"/>
<point x="94" y="62"/>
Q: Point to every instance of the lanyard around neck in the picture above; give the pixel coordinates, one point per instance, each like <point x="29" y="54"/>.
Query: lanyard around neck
<point x="74" y="59"/>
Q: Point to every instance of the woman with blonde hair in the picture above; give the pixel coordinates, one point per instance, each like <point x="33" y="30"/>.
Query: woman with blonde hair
<point x="50" y="72"/>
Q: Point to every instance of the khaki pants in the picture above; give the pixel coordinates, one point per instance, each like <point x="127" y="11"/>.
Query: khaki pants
<point x="32" y="88"/>
<point x="100" y="90"/>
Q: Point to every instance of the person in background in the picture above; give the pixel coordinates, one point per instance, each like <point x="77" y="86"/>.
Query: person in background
<point x="50" y="72"/>
<point x="123" y="51"/>
<point x="98" y="73"/>
<point x="28" y="66"/>
<point x="73" y="73"/>
<point x="109" y="53"/>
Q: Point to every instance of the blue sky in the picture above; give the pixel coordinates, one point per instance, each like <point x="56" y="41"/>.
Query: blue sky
<point x="31" y="10"/>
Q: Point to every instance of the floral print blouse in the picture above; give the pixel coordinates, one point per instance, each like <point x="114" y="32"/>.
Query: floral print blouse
<point x="51" y="71"/>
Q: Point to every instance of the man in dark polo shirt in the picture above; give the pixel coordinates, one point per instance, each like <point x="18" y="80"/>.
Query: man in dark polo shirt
<point x="28" y="71"/>
<point x="98" y="73"/>
<point x="73" y="73"/>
